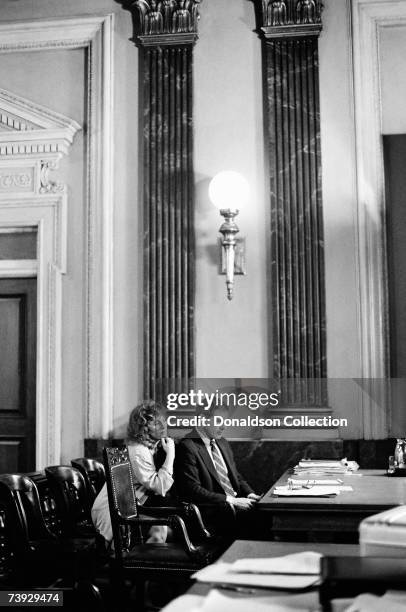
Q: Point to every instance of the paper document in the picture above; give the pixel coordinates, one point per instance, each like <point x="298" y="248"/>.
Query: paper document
<point x="316" y="491"/>
<point x="324" y="472"/>
<point x="307" y="562"/>
<point x="333" y="465"/>
<point x="233" y="602"/>
<point x="309" y="483"/>
<point x="217" y="600"/>
<point x="316" y="481"/>
<point x="221" y="573"/>
<point x="320" y="464"/>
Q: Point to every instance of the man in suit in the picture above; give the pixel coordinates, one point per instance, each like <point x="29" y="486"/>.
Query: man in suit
<point x="206" y="474"/>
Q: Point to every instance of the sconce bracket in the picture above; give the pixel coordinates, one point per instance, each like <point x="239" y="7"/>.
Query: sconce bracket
<point x="239" y="260"/>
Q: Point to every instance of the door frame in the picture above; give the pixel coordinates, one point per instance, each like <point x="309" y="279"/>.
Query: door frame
<point x="94" y="34"/>
<point x="46" y="214"/>
<point x="369" y="18"/>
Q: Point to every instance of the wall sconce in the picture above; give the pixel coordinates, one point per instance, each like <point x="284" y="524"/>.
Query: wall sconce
<point x="229" y="192"/>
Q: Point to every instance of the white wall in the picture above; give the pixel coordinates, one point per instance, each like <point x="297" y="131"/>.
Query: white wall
<point x="232" y="338"/>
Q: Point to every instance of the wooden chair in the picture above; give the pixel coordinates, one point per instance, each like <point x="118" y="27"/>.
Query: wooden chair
<point x="136" y="560"/>
<point x="94" y="475"/>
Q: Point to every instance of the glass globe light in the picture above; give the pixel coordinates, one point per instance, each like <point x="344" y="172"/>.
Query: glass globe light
<point x="229" y="190"/>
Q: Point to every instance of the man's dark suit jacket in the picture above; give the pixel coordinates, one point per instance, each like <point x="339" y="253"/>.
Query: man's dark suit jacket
<point x="196" y="478"/>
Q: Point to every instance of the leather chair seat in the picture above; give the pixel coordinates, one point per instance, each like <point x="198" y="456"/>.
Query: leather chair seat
<point x="171" y="555"/>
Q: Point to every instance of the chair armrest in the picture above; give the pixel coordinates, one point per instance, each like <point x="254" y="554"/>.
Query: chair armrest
<point x="160" y="510"/>
<point x="192" y="511"/>
<point x="188" y="511"/>
<point x="144" y="520"/>
<point x="174" y="521"/>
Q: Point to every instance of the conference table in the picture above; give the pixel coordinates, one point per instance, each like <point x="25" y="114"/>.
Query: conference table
<point x="254" y="549"/>
<point x="332" y="518"/>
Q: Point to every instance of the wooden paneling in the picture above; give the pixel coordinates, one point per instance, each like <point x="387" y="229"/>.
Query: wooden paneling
<point x="18" y="245"/>
<point x="10" y="453"/>
<point x="12" y="353"/>
<point x="18" y="310"/>
<point x="395" y="181"/>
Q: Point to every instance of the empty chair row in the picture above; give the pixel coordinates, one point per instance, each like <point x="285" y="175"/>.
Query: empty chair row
<point x="46" y="516"/>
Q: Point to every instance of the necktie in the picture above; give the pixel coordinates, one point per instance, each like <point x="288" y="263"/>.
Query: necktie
<point x="220" y="469"/>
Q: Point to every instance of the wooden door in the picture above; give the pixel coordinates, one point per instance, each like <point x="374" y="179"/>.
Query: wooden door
<point x="395" y="181"/>
<point x="18" y="323"/>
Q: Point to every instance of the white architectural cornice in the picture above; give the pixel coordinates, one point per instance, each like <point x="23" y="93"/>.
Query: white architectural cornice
<point x="27" y="128"/>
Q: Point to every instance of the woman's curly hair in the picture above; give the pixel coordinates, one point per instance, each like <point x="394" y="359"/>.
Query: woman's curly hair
<point x="141" y="417"/>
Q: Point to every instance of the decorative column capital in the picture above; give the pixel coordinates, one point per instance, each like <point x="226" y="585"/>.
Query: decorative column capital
<point x="164" y="22"/>
<point x="291" y="18"/>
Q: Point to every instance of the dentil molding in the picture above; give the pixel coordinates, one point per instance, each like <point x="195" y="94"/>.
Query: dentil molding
<point x="27" y="128"/>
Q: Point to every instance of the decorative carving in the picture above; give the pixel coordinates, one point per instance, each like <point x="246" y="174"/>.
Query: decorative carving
<point x="48" y="185"/>
<point x="20" y="180"/>
<point x="284" y="18"/>
<point x="15" y="123"/>
<point x="278" y="13"/>
<point x="117" y="455"/>
<point x="306" y="12"/>
<point x="170" y="18"/>
<point x="30" y="129"/>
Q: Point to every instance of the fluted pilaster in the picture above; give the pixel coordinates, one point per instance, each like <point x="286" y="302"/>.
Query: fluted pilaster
<point x="290" y="32"/>
<point x="165" y="32"/>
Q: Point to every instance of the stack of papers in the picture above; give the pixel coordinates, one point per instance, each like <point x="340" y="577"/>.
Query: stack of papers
<point x="297" y="571"/>
<point x="328" y="482"/>
<point x="335" y="467"/>
<point x="305" y="563"/>
<point x="313" y="486"/>
<point x="303" y="491"/>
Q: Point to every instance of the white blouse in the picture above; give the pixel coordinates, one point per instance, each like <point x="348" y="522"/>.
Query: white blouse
<point x="147" y="479"/>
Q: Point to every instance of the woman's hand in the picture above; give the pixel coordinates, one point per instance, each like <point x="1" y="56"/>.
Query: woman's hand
<point x="169" y="446"/>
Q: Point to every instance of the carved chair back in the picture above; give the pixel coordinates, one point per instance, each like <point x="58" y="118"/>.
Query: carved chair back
<point x="122" y="499"/>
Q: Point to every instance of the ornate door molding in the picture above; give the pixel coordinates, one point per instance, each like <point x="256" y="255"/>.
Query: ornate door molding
<point x="368" y="20"/>
<point x="95" y="35"/>
<point x="32" y="141"/>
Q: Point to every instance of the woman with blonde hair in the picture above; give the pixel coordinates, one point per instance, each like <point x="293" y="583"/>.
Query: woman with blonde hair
<point x="146" y="429"/>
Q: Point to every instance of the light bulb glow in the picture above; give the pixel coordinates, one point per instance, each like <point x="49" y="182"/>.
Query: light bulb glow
<point x="229" y="190"/>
